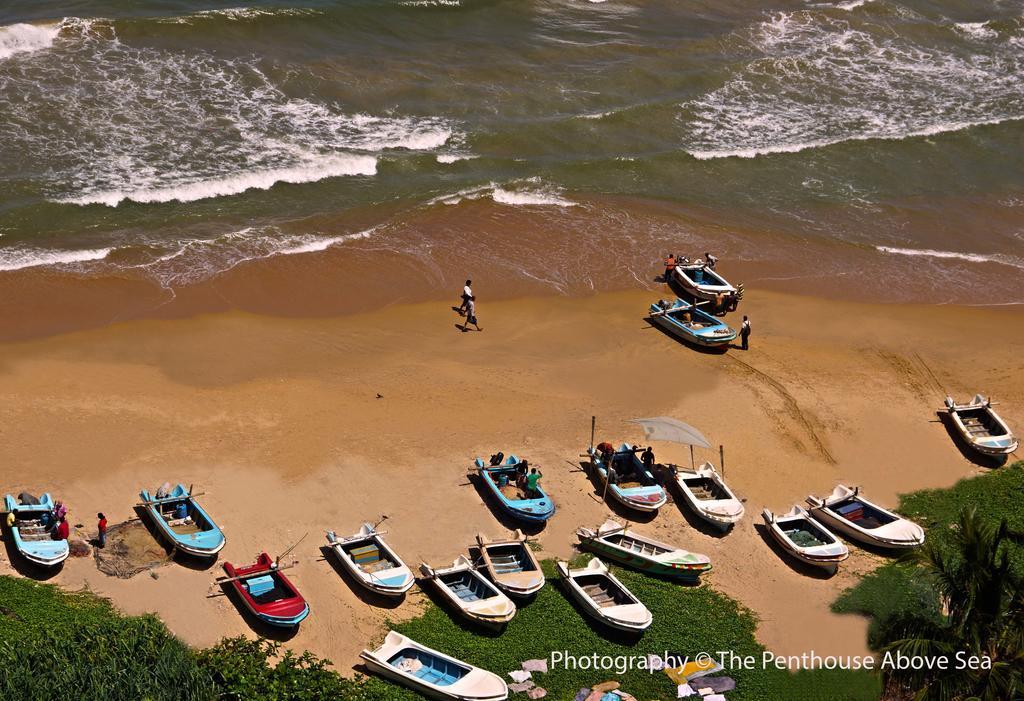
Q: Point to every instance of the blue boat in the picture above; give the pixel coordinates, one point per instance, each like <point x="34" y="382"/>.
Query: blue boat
<point x="183" y="523"/>
<point x="632" y="484"/>
<point x="689" y="323"/>
<point x="31" y="530"/>
<point x="501" y="483"/>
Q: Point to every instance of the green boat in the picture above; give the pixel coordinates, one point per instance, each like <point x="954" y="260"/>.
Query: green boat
<point x="615" y="542"/>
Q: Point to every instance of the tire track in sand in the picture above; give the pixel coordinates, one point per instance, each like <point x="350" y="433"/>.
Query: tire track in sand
<point x="791" y="404"/>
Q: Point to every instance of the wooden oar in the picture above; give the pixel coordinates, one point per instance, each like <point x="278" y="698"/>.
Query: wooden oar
<point x="163" y="499"/>
<point x="225" y="580"/>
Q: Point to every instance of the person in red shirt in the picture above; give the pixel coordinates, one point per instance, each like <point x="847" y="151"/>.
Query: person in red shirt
<point x="101" y="539"/>
<point x="63" y="530"/>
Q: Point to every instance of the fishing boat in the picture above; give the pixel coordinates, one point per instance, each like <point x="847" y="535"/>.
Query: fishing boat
<point x="849" y="513"/>
<point x="470" y="593"/>
<point x="604" y="597"/>
<point x="371" y="562"/>
<point x="180" y="519"/>
<point x="705" y="491"/>
<point x="703" y="282"/>
<point x="689" y="323"/>
<point x="981" y="427"/>
<point x="267" y="592"/>
<point x="511" y="564"/>
<point x="431" y="673"/>
<point x="807" y="541"/>
<point x="632" y="484"/>
<point x="31" y="531"/>
<point x="501" y="481"/>
<point x="614" y="541"/>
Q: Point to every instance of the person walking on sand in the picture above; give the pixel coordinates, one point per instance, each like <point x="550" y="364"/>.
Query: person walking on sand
<point x="745" y="333"/>
<point x="101" y="527"/>
<point x="467" y="295"/>
<point x="471" y="315"/>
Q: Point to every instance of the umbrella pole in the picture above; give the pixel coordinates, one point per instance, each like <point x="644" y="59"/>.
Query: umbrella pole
<point x="721" y="458"/>
<point x="692" y="465"/>
<point x="593" y="427"/>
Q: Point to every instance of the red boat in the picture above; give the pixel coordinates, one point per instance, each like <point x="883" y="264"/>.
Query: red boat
<point x="267" y="593"/>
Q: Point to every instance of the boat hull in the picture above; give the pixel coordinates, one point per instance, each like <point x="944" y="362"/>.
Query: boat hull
<point x="532" y="511"/>
<point x="687" y="335"/>
<point x="205" y="543"/>
<point x="647" y="499"/>
<point x="45" y="553"/>
<point x="392" y="583"/>
<point x="827" y="562"/>
<point x="286" y="612"/>
<point x="600" y="615"/>
<point x="434" y="679"/>
<point x="616" y="554"/>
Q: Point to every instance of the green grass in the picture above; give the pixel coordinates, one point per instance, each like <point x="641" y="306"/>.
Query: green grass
<point x="899" y="587"/>
<point x="687" y="620"/>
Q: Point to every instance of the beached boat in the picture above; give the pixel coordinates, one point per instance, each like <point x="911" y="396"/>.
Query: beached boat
<point x="691" y="324"/>
<point x="500" y="481"/>
<point x="614" y="541"/>
<point x="632" y="484"/>
<point x="706" y="492"/>
<point x="431" y="673"/>
<point x="604" y="597"/>
<point x="470" y="593"/>
<point x="267" y="593"/>
<point x="703" y="282"/>
<point x="807" y="541"/>
<point x="511" y="564"/>
<point x="849" y="513"/>
<point x="180" y="519"/>
<point x="371" y="562"/>
<point x="32" y="530"/>
<point x="981" y="427"/>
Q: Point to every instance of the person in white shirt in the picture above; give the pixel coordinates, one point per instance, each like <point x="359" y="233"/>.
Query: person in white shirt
<point x="467" y="295"/>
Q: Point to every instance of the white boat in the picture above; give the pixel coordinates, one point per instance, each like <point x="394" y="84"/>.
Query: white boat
<point x="431" y="673"/>
<point x="706" y="492"/>
<point x="849" y="513"/>
<point x="604" y="597"/>
<point x="632" y="484"/>
<point x="371" y="562"/>
<point x="805" y="540"/>
<point x="470" y="593"/>
<point x="616" y="542"/>
<point x="704" y="282"/>
<point x="981" y="427"/>
<point x="31" y="530"/>
<point x="511" y="564"/>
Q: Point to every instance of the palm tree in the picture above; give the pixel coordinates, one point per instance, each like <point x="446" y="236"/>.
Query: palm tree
<point x="981" y="597"/>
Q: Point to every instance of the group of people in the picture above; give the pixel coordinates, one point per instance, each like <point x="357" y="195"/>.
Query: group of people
<point x="528" y="479"/>
<point x="620" y="464"/>
<point x="672" y="261"/>
<point x="57" y="522"/>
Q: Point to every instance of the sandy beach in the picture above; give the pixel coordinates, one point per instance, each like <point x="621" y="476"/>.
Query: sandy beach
<point x="278" y="421"/>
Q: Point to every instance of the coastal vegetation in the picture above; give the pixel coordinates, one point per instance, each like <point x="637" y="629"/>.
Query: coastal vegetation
<point x="960" y="597"/>
<point x="75" y="644"/>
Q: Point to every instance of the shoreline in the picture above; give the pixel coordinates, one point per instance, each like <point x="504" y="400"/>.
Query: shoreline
<point x="366" y="261"/>
<point x="277" y="420"/>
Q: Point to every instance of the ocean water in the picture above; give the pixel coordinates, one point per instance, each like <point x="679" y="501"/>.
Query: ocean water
<point x="877" y="142"/>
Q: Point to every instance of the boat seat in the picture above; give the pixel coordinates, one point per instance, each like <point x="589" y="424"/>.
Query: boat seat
<point x="365" y="554"/>
<point x="464" y="592"/>
<point x="257" y="586"/>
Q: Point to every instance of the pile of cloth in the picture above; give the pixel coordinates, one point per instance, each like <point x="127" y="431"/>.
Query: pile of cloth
<point x="523" y="682"/>
<point x="605" y="691"/>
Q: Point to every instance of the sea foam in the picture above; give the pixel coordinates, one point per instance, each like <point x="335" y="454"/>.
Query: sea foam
<point x="23" y="38"/>
<point x="18" y="258"/>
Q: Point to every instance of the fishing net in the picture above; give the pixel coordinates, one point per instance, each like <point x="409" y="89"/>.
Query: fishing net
<point x="130" y="549"/>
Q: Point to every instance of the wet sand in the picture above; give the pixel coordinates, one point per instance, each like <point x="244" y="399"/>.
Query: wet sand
<point x="278" y="421"/>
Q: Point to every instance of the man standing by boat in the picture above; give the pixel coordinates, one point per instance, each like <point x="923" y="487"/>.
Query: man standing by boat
<point x="745" y="332"/>
<point x="670" y="267"/>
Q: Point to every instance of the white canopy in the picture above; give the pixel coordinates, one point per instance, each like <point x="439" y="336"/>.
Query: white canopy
<point x="664" y="428"/>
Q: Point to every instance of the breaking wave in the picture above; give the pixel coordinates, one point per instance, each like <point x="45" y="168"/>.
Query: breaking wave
<point x="23" y="38"/>
<point x="153" y="125"/>
<point x="815" y="79"/>
<point x="18" y="258"/>
<point x="1011" y="261"/>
